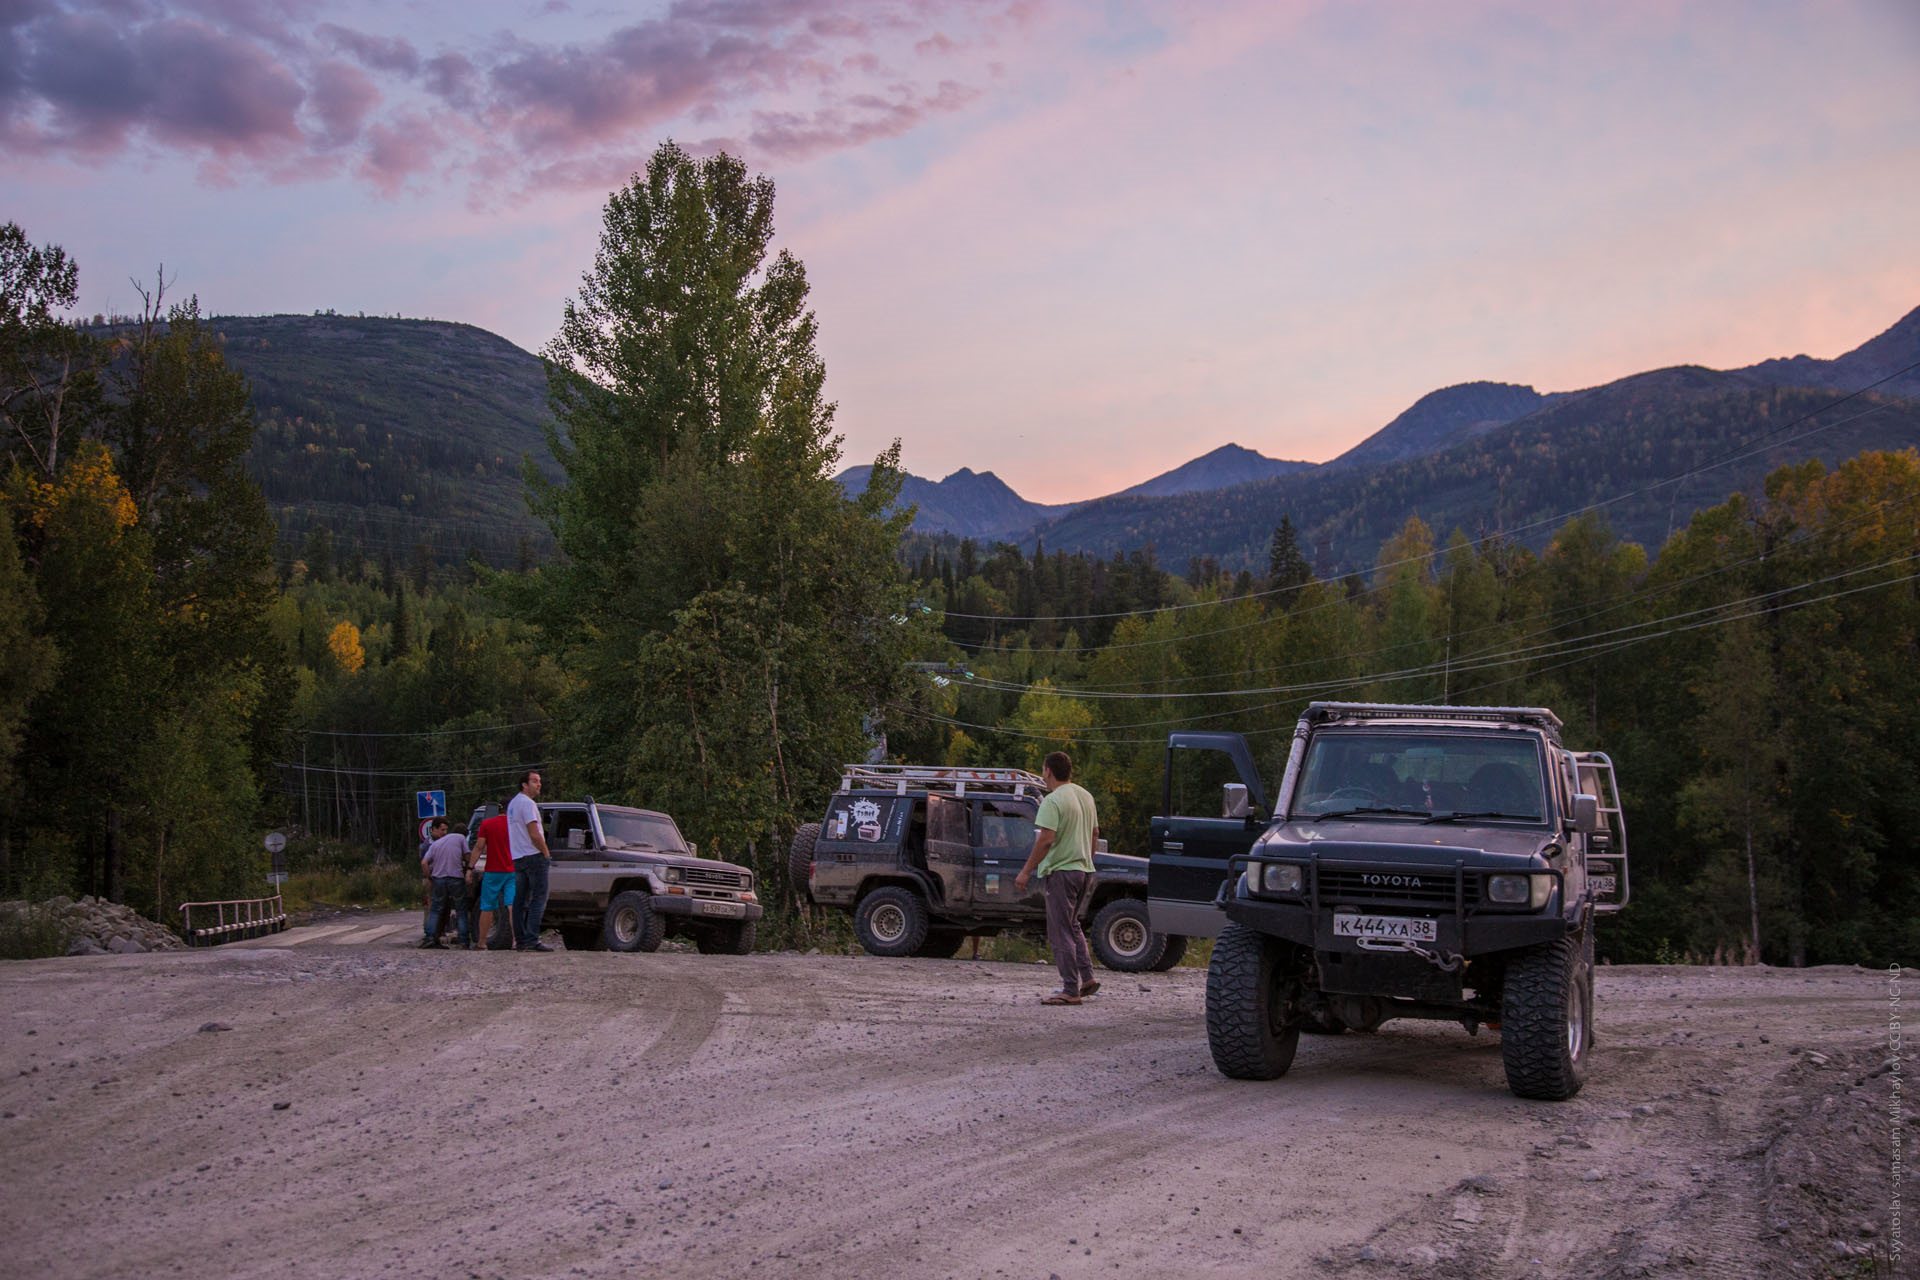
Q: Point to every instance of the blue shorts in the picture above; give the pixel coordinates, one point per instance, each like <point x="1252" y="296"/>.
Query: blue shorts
<point x="496" y="889"/>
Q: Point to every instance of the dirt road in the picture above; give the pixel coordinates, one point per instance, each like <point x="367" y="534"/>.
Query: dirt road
<point x="375" y="1109"/>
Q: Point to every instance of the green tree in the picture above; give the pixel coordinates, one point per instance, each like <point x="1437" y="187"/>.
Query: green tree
<point x="47" y="383"/>
<point x="1287" y="569"/>
<point x="730" y="617"/>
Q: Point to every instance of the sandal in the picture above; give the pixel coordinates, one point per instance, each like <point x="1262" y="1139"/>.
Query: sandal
<point x="1088" y="988"/>
<point x="1060" y="997"/>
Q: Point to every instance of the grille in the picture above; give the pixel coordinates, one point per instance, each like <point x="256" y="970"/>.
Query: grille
<point x="710" y="876"/>
<point x="1435" y="888"/>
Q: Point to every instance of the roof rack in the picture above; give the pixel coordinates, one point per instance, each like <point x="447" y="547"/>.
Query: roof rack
<point x="902" y="778"/>
<point x="1537" y="717"/>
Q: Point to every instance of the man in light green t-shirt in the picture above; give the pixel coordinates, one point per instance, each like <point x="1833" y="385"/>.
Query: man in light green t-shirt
<point x="1065" y="830"/>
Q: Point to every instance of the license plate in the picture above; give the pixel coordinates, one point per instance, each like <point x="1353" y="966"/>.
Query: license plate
<point x="1406" y="928"/>
<point x="705" y="908"/>
<point x="1602" y="885"/>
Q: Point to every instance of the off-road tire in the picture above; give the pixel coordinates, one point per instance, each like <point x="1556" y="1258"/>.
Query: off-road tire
<point x="1121" y="938"/>
<point x="1253" y="1008"/>
<point x="631" y="923"/>
<point x="800" y="860"/>
<point x="1176" y="951"/>
<point x="891" y="921"/>
<point x="581" y="937"/>
<point x="941" y="944"/>
<point x="726" y="939"/>
<point x="1546" y="1020"/>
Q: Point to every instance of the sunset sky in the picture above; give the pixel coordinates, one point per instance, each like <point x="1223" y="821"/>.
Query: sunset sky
<point x="1072" y="243"/>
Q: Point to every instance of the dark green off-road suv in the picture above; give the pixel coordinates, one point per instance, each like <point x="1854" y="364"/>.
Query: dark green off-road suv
<point x="925" y="856"/>
<point x="1419" y="862"/>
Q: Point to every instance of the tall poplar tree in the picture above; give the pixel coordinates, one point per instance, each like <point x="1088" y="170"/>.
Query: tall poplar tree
<point x="731" y="621"/>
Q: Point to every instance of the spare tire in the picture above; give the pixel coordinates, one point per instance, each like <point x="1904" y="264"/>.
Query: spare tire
<point x="800" y="860"/>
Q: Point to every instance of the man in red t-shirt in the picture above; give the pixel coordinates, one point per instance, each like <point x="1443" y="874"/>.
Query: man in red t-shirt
<point x="494" y="855"/>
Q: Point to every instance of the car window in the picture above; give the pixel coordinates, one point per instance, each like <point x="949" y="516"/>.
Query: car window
<point x="567" y="831"/>
<point x="947" y="820"/>
<point x="625" y="829"/>
<point x="863" y="819"/>
<point x="1005" y="825"/>
<point x="1423" y="774"/>
<point x="1196" y="779"/>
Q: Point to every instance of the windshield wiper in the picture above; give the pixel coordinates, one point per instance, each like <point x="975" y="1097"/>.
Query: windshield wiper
<point x="1483" y="813"/>
<point x="1348" y="813"/>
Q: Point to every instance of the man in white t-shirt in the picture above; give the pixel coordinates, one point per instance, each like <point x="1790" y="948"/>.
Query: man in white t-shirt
<point x="528" y="841"/>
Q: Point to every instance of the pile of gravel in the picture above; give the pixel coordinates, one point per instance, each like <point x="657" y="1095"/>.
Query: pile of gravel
<point x="94" y="925"/>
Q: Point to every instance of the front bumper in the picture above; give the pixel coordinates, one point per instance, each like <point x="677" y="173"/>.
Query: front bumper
<point x="1469" y="936"/>
<point x="680" y="904"/>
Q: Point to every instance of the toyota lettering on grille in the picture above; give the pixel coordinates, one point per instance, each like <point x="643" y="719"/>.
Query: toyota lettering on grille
<point x="1391" y="882"/>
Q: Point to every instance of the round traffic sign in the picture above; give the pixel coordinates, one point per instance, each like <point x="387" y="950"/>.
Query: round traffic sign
<point x="275" y="842"/>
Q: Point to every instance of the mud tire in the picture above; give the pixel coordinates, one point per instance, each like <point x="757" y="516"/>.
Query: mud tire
<point x="891" y="921"/>
<point x="1121" y="938"/>
<point x="1546" y="1020"/>
<point x="941" y="944"/>
<point x="631" y="923"/>
<point x="726" y="939"/>
<point x="1253" y="1007"/>
<point x="1175" y="952"/>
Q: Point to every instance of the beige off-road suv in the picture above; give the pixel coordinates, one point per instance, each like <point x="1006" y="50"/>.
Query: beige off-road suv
<point x="625" y="879"/>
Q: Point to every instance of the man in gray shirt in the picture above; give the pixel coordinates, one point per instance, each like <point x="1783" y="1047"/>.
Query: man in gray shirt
<point x="530" y="857"/>
<point x="445" y="865"/>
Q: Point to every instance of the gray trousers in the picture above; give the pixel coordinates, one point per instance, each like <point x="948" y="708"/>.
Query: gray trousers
<point x="1066" y="893"/>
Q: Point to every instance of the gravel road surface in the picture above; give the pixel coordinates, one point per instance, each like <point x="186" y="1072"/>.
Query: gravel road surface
<point x="339" y="1104"/>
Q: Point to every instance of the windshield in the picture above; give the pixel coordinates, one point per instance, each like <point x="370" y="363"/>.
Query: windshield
<point x="626" y="829"/>
<point x="1425" y="774"/>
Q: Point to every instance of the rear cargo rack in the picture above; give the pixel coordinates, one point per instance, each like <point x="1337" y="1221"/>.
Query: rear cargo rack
<point x="902" y="778"/>
<point x="1533" y="717"/>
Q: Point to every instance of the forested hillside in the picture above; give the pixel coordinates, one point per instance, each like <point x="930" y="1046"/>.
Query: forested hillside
<point x="392" y="435"/>
<point x="1618" y="448"/>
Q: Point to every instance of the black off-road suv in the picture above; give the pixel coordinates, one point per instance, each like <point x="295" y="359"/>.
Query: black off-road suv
<point x="925" y="857"/>
<point x="1420" y="862"/>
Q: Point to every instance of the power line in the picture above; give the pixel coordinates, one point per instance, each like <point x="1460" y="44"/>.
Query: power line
<point x="425" y="733"/>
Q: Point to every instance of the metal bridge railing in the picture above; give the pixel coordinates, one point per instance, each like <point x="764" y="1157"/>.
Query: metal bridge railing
<point x="225" y="921"/>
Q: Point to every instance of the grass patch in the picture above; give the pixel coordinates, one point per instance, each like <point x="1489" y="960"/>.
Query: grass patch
<point x="388" y="887"/>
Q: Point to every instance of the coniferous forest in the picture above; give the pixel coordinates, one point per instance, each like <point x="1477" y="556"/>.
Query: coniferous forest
<point x="707" y="625"/>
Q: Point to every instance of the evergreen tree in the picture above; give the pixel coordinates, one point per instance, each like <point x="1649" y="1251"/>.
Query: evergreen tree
<point x="1287" y="569"/>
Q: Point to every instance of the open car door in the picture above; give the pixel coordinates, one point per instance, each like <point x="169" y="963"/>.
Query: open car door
<point x="1212" y="809"/>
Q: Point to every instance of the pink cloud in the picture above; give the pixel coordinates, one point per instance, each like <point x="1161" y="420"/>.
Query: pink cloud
<point x="272" y="87"/>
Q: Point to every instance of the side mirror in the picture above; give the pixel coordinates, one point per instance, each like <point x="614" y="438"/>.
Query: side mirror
<point x="1234" y="803"/>
<point x="693" y="849"/>
<point x="1586" y="814"/>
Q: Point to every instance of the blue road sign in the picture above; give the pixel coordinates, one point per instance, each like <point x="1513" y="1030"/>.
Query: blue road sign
<point x="430" y="804"/>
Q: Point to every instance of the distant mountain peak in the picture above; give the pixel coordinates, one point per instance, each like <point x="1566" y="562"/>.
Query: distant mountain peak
<point x="1442" y="418"/>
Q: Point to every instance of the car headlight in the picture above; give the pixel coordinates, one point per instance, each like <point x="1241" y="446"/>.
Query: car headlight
<point x="1509" y="889"/>
<point x="1542" y="890"/>
<point x="1281" y="877"/>
<point x="670" y="874"/>
<point x="1533" y="890"/>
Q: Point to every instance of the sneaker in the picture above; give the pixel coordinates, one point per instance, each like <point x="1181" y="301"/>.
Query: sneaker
<point x="538" y="946"/>
<point x="431" y="944"/>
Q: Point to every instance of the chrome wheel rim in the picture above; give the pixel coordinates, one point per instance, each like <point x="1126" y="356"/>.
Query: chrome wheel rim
<point x="626" y="924"/>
